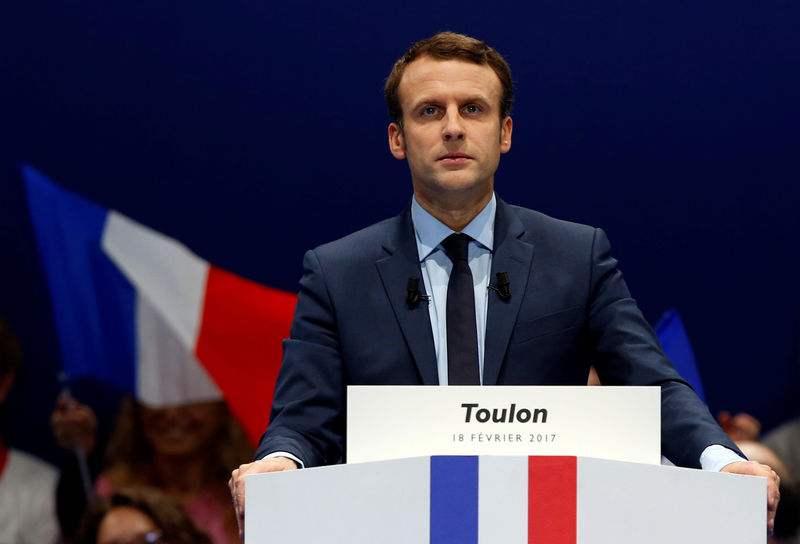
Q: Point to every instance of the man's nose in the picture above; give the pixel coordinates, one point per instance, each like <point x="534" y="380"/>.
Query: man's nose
<point x="453" y="128"/>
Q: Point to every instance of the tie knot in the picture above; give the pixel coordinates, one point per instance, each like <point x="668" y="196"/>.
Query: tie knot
<point x="456" y="246"/>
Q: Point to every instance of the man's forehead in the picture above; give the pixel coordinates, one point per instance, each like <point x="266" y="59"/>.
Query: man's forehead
<point x="429" y="75"/>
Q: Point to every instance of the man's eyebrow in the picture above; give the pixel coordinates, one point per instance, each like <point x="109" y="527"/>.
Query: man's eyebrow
<point x="425" y="101"/>
<point x="478" y="98"/>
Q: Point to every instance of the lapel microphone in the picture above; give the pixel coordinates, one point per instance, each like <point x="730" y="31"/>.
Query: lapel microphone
<point x="503" y="286"/>
<point x="413" y="296"/>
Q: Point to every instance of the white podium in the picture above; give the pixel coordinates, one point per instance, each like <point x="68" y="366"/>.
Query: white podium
<point x="504" y="500"/>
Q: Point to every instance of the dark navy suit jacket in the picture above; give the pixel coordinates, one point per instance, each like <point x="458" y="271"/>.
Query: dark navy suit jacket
<point x="569" y="309"/>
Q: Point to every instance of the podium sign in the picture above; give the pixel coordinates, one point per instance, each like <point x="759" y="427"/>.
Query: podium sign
<point x="390" y="422"/>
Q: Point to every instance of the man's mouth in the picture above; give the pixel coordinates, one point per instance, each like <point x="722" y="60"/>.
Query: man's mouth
<point x="455" y="158"/>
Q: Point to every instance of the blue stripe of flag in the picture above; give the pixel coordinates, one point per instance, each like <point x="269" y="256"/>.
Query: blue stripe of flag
<point x="93" y="303"/>
<point x="454" y="500"/>
<point x="675" y="342"/>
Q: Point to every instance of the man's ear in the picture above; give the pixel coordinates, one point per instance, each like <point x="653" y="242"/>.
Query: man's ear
<point x="397" y="143"/>
<point x="505" y="134"/>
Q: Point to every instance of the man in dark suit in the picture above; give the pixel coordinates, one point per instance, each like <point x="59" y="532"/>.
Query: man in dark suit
<point x="545" y="299"/>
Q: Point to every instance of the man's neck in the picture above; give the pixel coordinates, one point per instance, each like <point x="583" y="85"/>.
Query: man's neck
<point x="455" y="213"/>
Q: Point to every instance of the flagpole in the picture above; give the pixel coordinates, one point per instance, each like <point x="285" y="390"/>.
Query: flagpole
<point x="78" y="450"/>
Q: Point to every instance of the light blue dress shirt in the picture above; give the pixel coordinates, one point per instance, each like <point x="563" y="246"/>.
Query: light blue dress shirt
<point x="436" y="267"/>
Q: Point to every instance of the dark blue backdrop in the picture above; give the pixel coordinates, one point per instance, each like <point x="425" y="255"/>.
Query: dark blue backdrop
<point x="254" y="130"/>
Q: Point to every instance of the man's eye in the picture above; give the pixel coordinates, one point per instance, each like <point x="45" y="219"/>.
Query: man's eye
<point x="430" y="111"/>
<point x="472" y="109"/>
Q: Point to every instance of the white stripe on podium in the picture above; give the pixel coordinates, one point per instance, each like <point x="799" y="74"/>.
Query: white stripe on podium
<point x="503" y="500"/>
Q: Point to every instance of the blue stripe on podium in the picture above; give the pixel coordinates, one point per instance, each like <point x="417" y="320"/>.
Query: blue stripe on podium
<point x="454" y="500"/>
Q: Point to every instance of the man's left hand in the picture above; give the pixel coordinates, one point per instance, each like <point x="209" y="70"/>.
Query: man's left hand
<point x="752" y="468"/>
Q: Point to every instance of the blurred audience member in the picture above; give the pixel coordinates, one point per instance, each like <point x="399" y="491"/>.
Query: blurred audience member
<point x="138" y="515"/>
<point x="27" y="484"/>
<point x="184" y="451"/>
<point x="775" y="450"/>
<point x="787" y="519"/>
<point x="785" y="441"/>
<point x="76" y="426"/>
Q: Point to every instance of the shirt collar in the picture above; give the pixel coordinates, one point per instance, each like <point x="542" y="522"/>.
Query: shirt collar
<point x="430" y="231"/>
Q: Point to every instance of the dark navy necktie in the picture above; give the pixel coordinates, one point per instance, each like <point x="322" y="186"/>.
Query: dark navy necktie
<point x="462" y="334"/>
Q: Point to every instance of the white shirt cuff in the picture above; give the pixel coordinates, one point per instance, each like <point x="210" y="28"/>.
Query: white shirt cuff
<point x="716" y="457"/>
<point x="285" y="454"/>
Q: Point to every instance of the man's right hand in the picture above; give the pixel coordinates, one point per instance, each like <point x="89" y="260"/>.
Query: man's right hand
<point x="236" y="483"/>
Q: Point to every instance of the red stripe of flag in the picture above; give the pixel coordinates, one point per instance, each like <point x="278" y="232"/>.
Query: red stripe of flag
<point x="552" y="500"/>
<point x="239" y="343"/>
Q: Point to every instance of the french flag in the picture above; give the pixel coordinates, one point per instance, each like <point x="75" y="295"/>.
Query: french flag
<point x="469" y="495"/>
<point x="138" y="310"/>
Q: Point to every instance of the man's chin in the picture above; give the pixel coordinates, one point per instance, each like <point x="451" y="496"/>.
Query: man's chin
<point x="454" y="193"/>
<point x="466" y="185"/>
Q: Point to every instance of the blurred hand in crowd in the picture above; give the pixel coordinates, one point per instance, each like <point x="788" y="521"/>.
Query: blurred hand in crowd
<point x="739" y="427"/>
<point x="74" y="424"/>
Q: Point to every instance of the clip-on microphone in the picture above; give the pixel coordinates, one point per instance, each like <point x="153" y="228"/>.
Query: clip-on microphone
<point x="503" y="287"/>
<point x="413" y="296"/>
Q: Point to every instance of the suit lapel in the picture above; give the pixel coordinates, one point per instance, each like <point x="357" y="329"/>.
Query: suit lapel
<point x="514" y="256"/>
<point x="401" y="263"/>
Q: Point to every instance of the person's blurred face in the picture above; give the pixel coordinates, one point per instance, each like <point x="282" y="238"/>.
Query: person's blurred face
<point x="126" y="525"/>
<point x="182" y="430"/>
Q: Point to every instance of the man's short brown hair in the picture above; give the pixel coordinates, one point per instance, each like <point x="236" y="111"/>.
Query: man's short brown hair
<point x="448" y="46"/>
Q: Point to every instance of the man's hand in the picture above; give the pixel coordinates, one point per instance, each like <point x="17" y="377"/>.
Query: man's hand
<point x="752" y="468"/>
<point x="236" y="483"/>
<point x="74" y="424"/>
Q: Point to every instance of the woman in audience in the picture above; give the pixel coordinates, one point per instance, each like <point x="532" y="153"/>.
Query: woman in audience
<point x="185" y="451"/>
<point x="138" y="515"/>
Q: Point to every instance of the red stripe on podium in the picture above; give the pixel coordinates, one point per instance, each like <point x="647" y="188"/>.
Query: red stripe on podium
<point x="552" y="500"/>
